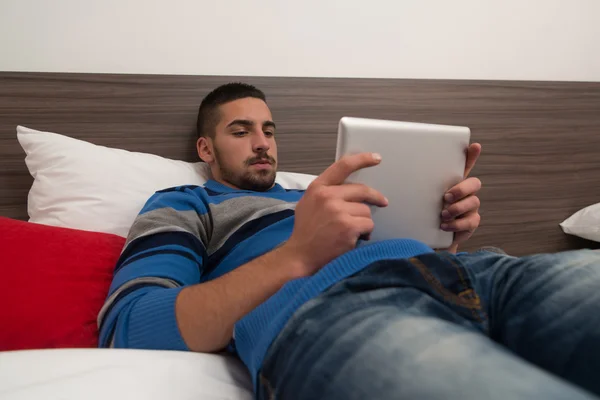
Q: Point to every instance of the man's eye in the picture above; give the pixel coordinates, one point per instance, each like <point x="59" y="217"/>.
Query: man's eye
<point x="269" y="134"/>
<point x="239" y="133"/>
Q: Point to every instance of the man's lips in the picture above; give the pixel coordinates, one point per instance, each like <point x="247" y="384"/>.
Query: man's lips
<point x="261" y="164"/>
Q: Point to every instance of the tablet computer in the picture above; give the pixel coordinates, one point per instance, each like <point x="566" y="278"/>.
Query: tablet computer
<point x="420" y="162"/>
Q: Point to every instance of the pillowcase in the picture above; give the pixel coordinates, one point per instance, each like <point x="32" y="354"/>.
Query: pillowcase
<point x="584" y="223"/>
<point x="81" y="185"/>
<point x="54" y="282"/>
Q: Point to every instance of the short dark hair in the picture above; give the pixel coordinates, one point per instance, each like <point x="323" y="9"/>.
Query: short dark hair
<point x="208" y="113"/>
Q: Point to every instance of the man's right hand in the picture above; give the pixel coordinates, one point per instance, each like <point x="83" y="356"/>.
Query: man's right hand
<point x="332" y="215"/>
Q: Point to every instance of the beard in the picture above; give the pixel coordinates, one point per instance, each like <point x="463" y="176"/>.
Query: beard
<point x="259" y="180"/>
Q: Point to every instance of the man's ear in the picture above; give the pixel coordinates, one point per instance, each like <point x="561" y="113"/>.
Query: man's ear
<point x="205" y="151"/>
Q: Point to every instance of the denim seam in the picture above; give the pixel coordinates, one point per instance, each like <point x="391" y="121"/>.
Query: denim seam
<point x="267" y="386"/>
<point x="482" y="317"/>
<point x="445" y="293"/>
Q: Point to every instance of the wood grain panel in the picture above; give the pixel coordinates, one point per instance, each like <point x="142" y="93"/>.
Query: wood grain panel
<point x="541" y="140"/>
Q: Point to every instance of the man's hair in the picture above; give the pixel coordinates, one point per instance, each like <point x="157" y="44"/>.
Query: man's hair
<point x="208" y="113"/>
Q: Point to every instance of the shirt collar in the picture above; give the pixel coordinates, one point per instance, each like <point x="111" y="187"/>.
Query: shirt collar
<point x="215" y="186"/>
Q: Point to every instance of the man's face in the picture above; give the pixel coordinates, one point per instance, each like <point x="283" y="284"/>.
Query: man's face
<point x="244" y="149"/>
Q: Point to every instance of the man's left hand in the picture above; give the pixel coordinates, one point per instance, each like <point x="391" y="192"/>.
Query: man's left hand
<point x="461" y="204"/>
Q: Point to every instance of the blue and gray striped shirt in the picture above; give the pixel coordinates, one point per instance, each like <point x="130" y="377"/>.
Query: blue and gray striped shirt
<point x="190" y="234"/>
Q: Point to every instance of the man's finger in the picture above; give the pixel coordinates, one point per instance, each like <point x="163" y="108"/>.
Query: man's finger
<point x="466" y="188"/>
<point x="357" y="210"/>
<point x="338" y="172"/>
<point x="461" y="207"/>
<point x="363" y="226"/>
<point x="356" y="192"/>
<point x="468" y="223"/>
<point x="473" y="153"/>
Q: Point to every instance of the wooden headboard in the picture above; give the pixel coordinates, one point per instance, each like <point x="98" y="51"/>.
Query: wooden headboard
<point x="541" y="141"/>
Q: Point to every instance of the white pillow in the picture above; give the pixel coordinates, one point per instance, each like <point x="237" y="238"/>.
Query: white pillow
<point x="81" y="185"/>
<point x="584" y="223"/>
<point x="122" y="374"/>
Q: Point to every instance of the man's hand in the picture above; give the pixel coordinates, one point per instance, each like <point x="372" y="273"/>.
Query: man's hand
<point x="461" y="204"/>
<point x="332" y="215"/>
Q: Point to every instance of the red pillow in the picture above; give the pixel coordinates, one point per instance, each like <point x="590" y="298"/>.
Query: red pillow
<point x="53" y="282"/>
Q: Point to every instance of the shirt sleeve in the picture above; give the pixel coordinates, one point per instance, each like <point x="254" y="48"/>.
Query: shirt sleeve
<point x="164" y="252"/>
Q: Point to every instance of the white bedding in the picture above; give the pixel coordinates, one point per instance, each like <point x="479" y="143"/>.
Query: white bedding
<point x="121" y="374"/>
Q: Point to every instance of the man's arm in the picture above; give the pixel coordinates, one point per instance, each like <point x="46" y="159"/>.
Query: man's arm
<point x="171" y="310"/>
<point x="207" y="312"/>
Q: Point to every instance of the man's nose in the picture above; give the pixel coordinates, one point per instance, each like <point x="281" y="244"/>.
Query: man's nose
<point x="260" y="143"/>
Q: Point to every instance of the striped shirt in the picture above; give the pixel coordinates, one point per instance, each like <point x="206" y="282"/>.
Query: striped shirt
<point x="190" y="234"/>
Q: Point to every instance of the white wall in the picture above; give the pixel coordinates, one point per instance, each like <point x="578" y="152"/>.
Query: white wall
<point x="462" y="39"/>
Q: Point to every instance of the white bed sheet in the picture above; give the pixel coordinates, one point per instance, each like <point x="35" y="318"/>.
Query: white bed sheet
<point x="121" y="374"/>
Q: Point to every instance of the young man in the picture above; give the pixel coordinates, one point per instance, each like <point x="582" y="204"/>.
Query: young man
<point x="275" y="277"/>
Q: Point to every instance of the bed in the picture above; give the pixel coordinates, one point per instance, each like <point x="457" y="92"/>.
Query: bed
<point x="540" y="165"/>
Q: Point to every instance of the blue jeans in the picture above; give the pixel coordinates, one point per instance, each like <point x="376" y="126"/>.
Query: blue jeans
<point x="443" y="326"/>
